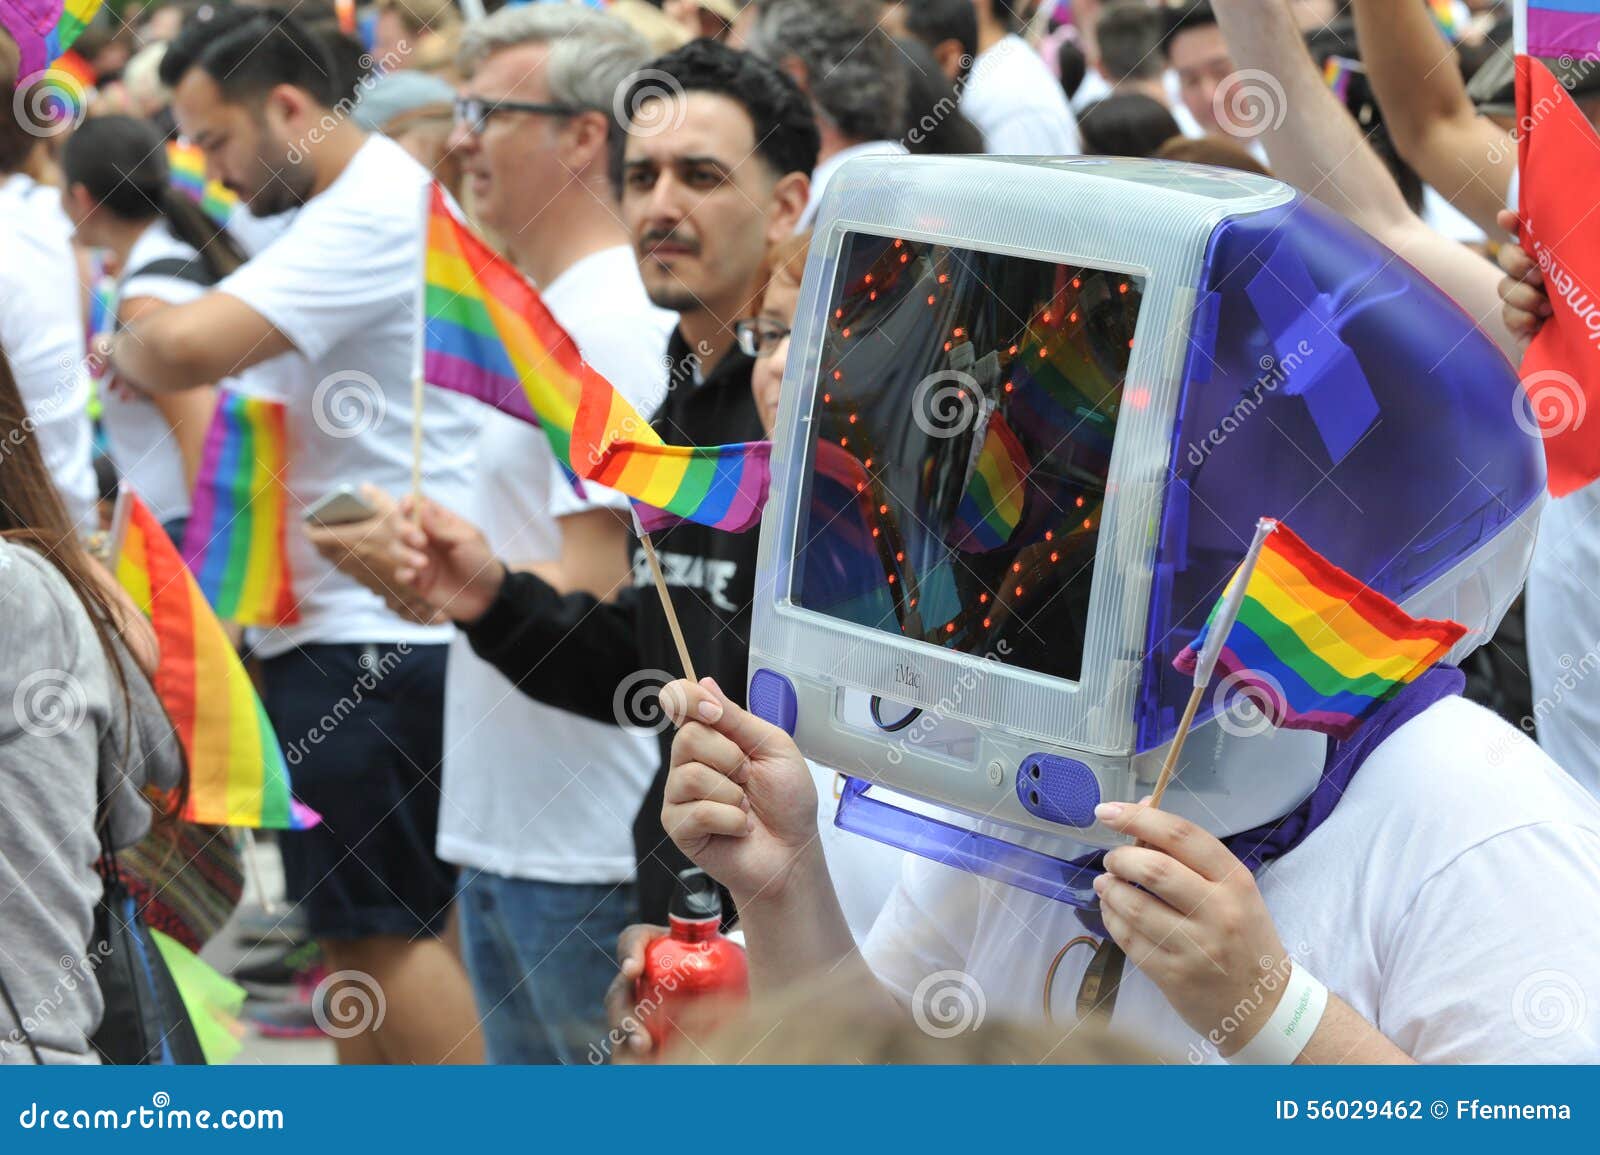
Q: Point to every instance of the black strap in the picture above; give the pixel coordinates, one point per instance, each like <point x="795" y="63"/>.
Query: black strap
<point x="191" y="269"/>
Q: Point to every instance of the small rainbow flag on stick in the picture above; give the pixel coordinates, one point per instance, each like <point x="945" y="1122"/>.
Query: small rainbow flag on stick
<point x="487" y="333"/>
<point x="237" y="773"/>
<point x="186" y="170"/>
<point x="991" y="506"/>
<point x="235" y="543"/>
<point x="1313" y="646"/>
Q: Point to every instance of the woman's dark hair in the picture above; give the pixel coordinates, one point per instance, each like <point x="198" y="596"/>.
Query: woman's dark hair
<point x="934" y="123"/>
<point x="122" y="162"/>
<point x="1074" y="67"/>
<point x="785" y="128"/>
<point x="31" y="514"/>
<point x="1128" y="124"/>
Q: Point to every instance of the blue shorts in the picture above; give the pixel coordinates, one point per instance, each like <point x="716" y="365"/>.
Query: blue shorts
<point x="361" y="726"/>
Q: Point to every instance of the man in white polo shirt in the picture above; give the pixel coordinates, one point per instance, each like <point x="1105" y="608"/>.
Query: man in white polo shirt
<point x="538" y="803"/>
<point x="355" y="693"/>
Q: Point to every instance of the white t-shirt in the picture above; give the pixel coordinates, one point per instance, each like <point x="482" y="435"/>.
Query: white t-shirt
<point x="1563" y="621"/>
<point x="824" y="171"/>
<point x="341" y="283"/>
<point x="1018" y="105"/>
<point x="530" y="791"/>
<point x="1452" y="899"/>
<point x="140" y="440"/>
<point x="864" y="872"/>
<point x="42" y="332"/>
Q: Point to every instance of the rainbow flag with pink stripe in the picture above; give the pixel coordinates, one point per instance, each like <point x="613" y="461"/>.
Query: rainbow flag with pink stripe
<point x="1313" y="646"/>
<point x="237" y="772"/>
<point x="487" y="333"/>
<point x="991" y="506"/>
<point x="1560" y="27"/>
<point x="235" y="544"/>
<point x="75" y="17"/>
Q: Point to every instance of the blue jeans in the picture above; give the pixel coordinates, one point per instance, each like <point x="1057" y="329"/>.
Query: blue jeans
<point x="540" y="956"/>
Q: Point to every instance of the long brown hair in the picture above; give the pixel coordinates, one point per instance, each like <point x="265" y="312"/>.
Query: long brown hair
<point x="31" y="512"/>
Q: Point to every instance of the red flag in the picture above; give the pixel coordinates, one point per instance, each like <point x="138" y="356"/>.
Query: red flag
<point x="1559" y="165"/>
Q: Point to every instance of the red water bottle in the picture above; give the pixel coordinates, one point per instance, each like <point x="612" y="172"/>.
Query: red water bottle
<point x="694" y="975"/>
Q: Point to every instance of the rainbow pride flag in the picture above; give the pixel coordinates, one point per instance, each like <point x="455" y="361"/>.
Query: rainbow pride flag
<point x="991" y="506"/>
<point x="1559" y="28"/>
<point x="487" y="333"/>
<point x="1313" y="646"/>
<point x="75" y="17"/>
<point x="1447" y="17"/>
<point x="237" y="773"/>
<point x="235" y="543"/>
<point x="1338" y="72"/>
<point x="186" y="171"/>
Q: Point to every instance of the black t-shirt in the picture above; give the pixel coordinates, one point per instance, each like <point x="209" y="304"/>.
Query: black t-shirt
<point x="574" y="652"/>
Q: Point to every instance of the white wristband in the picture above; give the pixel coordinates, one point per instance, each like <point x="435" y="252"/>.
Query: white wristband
<point x="1293" y="1022"/>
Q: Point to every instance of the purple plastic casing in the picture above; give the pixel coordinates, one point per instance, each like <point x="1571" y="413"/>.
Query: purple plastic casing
<point x="965" y="849"/>
<point x="1329" y="384"/>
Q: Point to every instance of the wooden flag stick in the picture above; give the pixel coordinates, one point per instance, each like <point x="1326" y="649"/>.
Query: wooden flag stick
<point x="416" y="449"/>
<point x="666" y="604"/>
<point x="1097" y="993"/>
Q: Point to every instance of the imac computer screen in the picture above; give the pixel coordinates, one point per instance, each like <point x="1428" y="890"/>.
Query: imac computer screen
<point x="959" y="445"/>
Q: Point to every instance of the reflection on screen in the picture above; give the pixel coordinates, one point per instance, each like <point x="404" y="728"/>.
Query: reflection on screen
<point x="962" y="434"/>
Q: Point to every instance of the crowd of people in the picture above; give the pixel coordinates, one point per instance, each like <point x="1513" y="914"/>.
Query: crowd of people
<point x="506" y="806"/>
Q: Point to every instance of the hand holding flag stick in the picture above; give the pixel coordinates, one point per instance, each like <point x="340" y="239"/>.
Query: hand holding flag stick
<point x="1097" y="994"/>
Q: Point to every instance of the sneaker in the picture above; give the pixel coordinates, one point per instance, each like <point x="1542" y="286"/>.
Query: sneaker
<point x="288" y="968"/>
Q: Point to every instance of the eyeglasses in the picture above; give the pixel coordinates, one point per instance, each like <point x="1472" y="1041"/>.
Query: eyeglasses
<point x="475" y="113"/>
<point x="759" y="336"/>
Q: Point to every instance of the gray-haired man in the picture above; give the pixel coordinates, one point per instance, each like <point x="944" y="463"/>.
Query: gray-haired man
<point x="538" y="804"/>
<point x="850" y="70"/>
